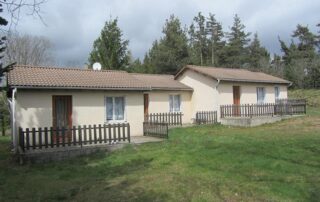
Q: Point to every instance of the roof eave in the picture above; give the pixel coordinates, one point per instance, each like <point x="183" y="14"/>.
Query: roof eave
<point x="76" y="88"/>
<point x="256" y="81"/>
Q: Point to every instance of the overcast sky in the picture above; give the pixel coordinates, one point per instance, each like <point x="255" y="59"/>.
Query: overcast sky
<point x="73" y="25"/>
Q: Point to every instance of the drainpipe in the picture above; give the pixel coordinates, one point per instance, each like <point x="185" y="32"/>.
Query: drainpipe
<point x="218" y="83"/>
<point x="218" y="101"/>
<point x="12" y="107"/>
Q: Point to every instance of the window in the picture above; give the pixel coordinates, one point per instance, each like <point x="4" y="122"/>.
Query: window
<point x="260" y="95"/>
<point x="174" y="103"/>
<point x="115" y="108"/>
<point x="276" y="92"/>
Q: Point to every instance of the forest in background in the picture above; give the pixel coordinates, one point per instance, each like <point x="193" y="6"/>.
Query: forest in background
<point x="205" y="43"/>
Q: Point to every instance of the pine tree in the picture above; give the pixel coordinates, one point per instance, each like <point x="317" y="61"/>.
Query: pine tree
<point x="3" y="22"/>
<point x="258" y="55"/>
<point x="301" y="60"/>
<point x="216" y="42"/>
<point x="171" y="52"/>
<point x="198" y="40"/>
<point x="236" y="51"/>
<point x="110" y="49"/>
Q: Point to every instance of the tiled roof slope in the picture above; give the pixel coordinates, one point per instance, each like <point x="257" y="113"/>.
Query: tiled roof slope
<point x="161" y="81"/>
<point x="229" y="74"/>
<point x="51" y="77"/>
<point x="71" y="78"/>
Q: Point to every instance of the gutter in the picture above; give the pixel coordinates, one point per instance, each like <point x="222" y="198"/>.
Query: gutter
<point x="79" y="88"/>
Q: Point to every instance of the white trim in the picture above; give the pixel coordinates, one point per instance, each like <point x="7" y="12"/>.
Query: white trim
<point x="264" y="94"/>
<point x="113" y="103"/>
<point x="274" y="89"/>
<point x="180" y="104"/>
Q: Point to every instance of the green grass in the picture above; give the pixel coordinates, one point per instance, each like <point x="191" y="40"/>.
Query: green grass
<point x="274" y="162"/>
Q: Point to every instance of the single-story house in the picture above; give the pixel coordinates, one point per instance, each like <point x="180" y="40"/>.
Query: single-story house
<point x="56" y="97"/>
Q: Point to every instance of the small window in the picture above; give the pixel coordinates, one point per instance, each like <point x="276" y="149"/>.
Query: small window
<point x="115" y="108"/>
<point x="174" y="103"/>
<point x="260" y="95"/>
<point x="277" y="92"/>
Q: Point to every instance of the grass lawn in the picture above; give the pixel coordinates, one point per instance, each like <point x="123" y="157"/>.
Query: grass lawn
<point x="275" y="162"/>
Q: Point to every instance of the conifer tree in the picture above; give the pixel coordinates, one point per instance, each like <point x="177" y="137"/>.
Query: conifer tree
<point x="236" y="50"/>
<point x="110" y="49"/>
<point x="171" y="52"/>
<point x="258" y="55"/>
<point x="216" y="42"/>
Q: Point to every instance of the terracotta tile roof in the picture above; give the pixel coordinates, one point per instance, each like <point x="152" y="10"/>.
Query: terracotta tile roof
<point x="75" y="78"/>
<point x="50" y="77"/>
<point x="228" y="74"/>
<point x="161" y="81"/>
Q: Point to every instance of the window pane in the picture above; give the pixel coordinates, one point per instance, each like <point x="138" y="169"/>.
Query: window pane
<point x="119" y="108"/>
<point x="177" y="103"/>
<point x="109" y="108"/>
<point x="276" y="92"/>
<point x="260" y="95"/>
<point x="171" y="103"/>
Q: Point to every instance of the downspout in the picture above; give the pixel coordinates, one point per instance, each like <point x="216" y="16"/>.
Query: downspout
<point x="218" y="100"/>
<point x="12" y="106"/>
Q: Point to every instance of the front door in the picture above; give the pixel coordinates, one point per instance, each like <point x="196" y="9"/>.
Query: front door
<point x="236" y="100"/>
<point x="62" y="114"/>
<point x="146" y="105"/>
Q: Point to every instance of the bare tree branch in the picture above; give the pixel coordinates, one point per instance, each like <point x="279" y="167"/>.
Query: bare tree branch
<point x="14" y="8"/>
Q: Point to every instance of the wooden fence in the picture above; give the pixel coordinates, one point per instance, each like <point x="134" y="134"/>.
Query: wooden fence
<point x="268" y="109"/>
<point x="44" y="138"/>
<point x="207" y="117"/>
<point x="155" y="129"/>
<point x="172" y="118"/>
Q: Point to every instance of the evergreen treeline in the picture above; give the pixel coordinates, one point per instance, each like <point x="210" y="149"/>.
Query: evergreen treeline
<point x="205" y="43"/>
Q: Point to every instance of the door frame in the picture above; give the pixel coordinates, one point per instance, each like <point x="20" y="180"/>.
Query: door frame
<point x="145" y="104"/>
<point x="69" y="111"/>
<point x="235" y="100"/>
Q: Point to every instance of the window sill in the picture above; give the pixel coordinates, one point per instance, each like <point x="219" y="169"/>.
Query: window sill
<point x="115" y="121"/>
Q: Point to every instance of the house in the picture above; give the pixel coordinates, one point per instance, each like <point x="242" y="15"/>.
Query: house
<point x="61" y="97"/>
<point x="213" y="87"/>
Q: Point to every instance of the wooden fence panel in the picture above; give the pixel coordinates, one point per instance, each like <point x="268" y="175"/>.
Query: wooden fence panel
<point x="156" y="129"/>
<point x="42" y="138"/>
<point x="281" y="107"/>
<point x="207" y="117"/>
<point x="172" y="118"/>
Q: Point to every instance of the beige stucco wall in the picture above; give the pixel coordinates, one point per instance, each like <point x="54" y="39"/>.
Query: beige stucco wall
<point x="205" y="94"/>
<point x="159" y="103"/>
<point x="34" y="108"/>
<point x="208" y="94"/>
<point x="248" y="92"/>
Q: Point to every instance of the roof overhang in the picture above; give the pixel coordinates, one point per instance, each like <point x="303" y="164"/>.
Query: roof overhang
<point x="181" y="71"/>
<point x="77" y="88"/>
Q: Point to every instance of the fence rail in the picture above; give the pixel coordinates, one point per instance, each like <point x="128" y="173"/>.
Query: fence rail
<point x="44" y="138"/>
<point x="207" y="117"/>
<point x="172" y="118"/>
<point x="269" y="109"/>
<point x="156" y="129"/>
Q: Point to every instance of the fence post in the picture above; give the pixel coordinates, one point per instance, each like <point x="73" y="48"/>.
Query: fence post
<point x="80" y="136"/>
<point x="21" y="139"/>
<point x="128" y="129"/>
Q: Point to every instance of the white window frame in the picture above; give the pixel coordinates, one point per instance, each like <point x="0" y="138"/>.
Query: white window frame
<point x="276" y="96"/>
<point x="264" y="95"/>
<point x="173" y="100"/>
<point x="113" y="103"/>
